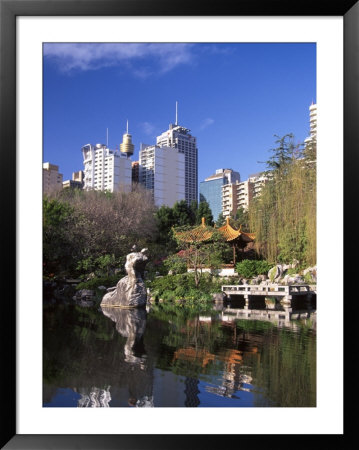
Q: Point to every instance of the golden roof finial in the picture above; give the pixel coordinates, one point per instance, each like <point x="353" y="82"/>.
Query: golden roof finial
<point x="203" y="222"/>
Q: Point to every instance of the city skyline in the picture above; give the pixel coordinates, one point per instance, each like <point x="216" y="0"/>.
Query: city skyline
<point x="233" y="97"/>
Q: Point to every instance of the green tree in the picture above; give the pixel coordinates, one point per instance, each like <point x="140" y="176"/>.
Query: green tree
<point x="284" y="215"/>
<point x="88" y="225"/>
<point x="58" y="236"/>
<point x="182" y="213"/>
<point x="204" y="211"/>
<point x="194" y="212"/>
<point x="221" y="220"/>
<point x="241" y="219"/>
<point x="165" y="220"/>
<point x="201" y="250"/>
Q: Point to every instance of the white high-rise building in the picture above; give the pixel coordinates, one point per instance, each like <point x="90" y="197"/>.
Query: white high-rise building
<point x="105" y="169"/>
<point x="244" y="194"/>
<point x="229" y="199"/>
<point x="312" y="138"/>
<point x="258" y="181"/>
<point x="162" y="170"/>
<point x="241" y="193"/>
<point x="180" y="138"/>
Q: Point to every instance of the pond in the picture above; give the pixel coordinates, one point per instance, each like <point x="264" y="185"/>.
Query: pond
<point x="169" y="356"/>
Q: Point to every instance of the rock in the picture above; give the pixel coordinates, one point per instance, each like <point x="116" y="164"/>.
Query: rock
<point x="275" y="272"/>
<point x="312" y="272"/>
<point x="292" y="279"/>
<point x="103" y="288"/>
<point x="130" y="291"/>
<point x="86" y="293"/>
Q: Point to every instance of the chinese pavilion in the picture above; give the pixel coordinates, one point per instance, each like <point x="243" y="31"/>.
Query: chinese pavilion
<point x="238" y="239"/>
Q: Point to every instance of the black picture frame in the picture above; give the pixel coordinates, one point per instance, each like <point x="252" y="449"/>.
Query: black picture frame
<point x="9" y="10"/>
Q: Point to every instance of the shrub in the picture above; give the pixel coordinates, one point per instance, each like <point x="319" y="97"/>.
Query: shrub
<point x="183" y="286"/>
<point x="95" y="282"/>
<point x="176" y="264"/>
<point x="251" y="268"/>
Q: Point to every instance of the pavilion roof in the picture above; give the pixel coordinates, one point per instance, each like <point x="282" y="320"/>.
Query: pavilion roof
<point x="204" y="233"/>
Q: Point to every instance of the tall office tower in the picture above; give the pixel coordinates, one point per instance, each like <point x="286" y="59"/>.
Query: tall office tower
<point x="180" y="138"/>
<point x="51" y="178"/>
<point x="162" y="170"/>
<point x="105" y="169"/>
<point x="211" y="189"/>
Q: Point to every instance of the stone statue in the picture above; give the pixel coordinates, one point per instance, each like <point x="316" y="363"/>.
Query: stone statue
<point x="130" y="291"/>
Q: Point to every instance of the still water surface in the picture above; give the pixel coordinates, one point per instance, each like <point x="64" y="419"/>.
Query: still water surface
<point x="168" y="357"/>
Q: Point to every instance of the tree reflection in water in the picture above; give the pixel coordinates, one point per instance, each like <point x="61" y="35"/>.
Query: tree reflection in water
<point x="173" y="357"/>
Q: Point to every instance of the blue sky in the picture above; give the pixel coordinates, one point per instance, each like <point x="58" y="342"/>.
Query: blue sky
<point x="233" y="97"/>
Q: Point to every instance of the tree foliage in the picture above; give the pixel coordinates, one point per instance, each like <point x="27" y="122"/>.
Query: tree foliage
<point x="204" y="211"/>
<point x="178" y="216"/>
<point x="241" y="219"/>
<point x="95" y="230"/>
<point x="198" y="253"/>
<point x="251" y="268"/>
<point x="284" y="215"/>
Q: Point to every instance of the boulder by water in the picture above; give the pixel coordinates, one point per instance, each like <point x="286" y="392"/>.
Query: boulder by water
<point x="130" y="291"/>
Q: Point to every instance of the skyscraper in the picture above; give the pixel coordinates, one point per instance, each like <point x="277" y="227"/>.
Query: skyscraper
<point x="180" y="138"/>
<point x="162" y="170"/>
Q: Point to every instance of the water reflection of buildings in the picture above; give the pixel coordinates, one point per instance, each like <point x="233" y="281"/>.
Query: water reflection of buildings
<point x="191" y="391"/>
<point x="94" y="398"/>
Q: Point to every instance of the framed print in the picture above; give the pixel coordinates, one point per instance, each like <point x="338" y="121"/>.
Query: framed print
<point x="65" y="50"/>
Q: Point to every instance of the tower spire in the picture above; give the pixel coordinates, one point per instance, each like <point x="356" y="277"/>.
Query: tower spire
<point x="176" y="123"/>
<point x="126" y="147"/>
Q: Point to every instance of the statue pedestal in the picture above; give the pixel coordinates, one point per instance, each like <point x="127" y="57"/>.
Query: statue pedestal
<point x="127" y="294"/>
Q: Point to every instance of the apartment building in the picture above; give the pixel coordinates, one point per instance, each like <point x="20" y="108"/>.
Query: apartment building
<point x="105" y="169"/>
<point x="51" y="178"/>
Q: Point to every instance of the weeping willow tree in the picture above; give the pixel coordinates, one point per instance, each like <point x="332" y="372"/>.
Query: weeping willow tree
<point x="284" y="215"/>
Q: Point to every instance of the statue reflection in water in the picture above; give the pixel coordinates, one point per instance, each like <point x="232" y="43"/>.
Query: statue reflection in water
<point x="136" y="372"/>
